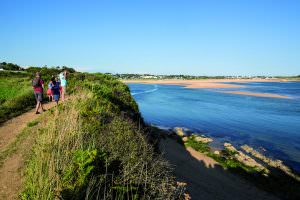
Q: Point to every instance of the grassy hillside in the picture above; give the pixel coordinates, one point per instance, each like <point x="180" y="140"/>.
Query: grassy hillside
<point x="16" y="95"/>
<point x="95" y="147"/>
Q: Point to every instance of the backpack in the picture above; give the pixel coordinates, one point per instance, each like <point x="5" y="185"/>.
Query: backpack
<point x="36" y="82"/>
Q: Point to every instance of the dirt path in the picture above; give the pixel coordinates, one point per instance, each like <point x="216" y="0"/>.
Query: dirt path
<point x="10" y="172"/>
<point x="205" y="178"/>
<point x="10" y="129"/>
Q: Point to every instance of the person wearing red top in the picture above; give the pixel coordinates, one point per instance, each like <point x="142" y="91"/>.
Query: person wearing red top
<point x="38" y="87"/>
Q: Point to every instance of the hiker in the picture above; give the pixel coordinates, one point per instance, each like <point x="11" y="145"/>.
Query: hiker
<point x="38" y="87"/>
<point x="49" y="91"/>
<point x="55" y="91"/>
<point x="63" y="83"/>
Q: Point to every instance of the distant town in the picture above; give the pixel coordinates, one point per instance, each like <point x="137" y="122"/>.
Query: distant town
<point x="190" y="77"/>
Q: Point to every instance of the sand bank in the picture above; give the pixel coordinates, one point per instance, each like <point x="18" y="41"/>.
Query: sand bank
<point x="215" y="83"/>
<point x="205" y="83"/>
<point x="257" y="94"/>
<point x="211" y="83"/>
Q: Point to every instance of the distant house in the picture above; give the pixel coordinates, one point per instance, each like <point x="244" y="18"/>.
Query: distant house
<point x="149" y="77"/>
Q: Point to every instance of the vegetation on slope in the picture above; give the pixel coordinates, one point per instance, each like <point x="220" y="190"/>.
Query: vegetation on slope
<point x="94" y="147"/>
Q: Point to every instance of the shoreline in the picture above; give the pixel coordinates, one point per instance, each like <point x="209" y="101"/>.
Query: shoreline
<point x="216" y="83"/>
<point x="183" y="134"/>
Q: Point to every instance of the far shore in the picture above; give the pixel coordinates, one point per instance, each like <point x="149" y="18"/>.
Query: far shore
<point x="215" y="83"/>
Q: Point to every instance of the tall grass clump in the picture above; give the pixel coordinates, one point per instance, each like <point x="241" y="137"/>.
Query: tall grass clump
<point x="93" y="147"/>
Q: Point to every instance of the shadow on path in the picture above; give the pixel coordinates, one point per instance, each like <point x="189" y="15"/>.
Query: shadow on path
<point x="205" y="178"/>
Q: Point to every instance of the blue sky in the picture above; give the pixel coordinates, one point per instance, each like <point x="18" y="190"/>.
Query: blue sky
<point x="232" y="37"/>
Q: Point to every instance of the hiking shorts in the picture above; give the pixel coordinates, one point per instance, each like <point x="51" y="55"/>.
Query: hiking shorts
<point x="38" y="96"/>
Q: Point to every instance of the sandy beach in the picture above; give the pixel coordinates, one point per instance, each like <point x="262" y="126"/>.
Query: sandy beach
<point x="204" y="83"/>
<point x="211" y="83"/>
<point x="215" y="83"/>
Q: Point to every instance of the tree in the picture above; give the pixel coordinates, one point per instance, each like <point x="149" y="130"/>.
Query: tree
<point x="10" y="66"/>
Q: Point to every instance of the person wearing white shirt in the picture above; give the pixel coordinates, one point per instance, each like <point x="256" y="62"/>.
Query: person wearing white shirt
<point x="63" y="83"/>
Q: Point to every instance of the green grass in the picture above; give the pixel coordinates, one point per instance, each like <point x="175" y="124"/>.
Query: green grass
<point x="16" y="96"/>
<point x="198" y="146"/>
<point x="228" y="162"/>
<point x="12" y="87"/>
<point x="32" y="123"/>
<point x="12" y="84"/>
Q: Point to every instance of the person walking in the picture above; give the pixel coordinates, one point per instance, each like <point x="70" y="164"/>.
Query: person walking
<point x="63" y="83"/>
<point x="49" y="91"/>
<point x="38" y="87"/>
<point x="55" y="91"/>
